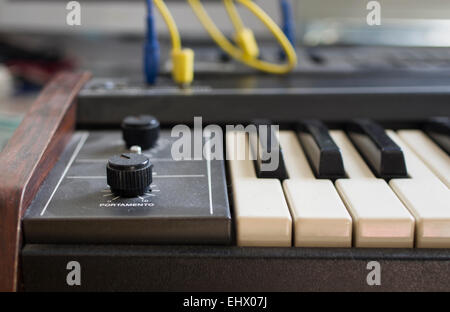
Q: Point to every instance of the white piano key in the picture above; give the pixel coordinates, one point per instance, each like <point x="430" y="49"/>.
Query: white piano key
<point x="239" y="156"/>
<point x="294" y="158"/>
<point x="429" y="152"/>
<point x="429" y="202"/>
<point x="354" y="165"/>
<point x="261" y="212"/>
<point x="426" y="197"/>
<point x="379" y="217"/>
<point x="320" y="218"/>
<point x="416" y="168"/>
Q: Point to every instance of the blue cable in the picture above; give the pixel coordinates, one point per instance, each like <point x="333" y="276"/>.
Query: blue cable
<point x="288" y="23"/>
<point x="151" y="49"/>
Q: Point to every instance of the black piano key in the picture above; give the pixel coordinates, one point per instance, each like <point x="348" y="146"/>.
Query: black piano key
<point x="439" y="130"/>
<point x="382" y="154"/>
<point x="323" y="154"/>
<point x="269" y="146"/>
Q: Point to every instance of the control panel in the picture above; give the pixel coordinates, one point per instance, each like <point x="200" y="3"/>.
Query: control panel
<point x="124" y="186"/>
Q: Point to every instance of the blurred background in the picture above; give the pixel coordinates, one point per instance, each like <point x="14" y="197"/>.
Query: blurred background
<point x="313" y="17"/>
<point x="36" y="42"/>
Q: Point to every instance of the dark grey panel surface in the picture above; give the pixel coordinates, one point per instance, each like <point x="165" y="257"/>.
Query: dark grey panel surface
<point x="208" y="268"/>
<point x="329" y="83"/>
<point x="225" y="99"/>
<point x="75" y="204"/>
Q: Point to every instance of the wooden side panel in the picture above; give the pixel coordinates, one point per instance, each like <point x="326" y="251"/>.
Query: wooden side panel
<point x="27" y="159"/>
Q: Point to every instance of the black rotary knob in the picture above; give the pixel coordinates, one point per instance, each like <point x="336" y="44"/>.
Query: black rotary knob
<point x="140" y="130"/>
<point x="129" y="174"/>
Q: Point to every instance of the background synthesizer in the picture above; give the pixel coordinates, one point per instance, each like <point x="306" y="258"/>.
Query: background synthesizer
<point x="347" y="192"/>
<point x="329" y="83"/>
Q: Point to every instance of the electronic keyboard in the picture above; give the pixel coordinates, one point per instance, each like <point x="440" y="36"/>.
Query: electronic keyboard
<point x="265" y="201"/>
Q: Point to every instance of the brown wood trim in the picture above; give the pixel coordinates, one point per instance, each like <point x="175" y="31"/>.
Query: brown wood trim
<point x="27" y="159"/>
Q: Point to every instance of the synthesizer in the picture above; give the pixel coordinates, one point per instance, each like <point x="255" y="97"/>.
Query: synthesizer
<point x="140" y="207"/>
<point x="333" y="83"/>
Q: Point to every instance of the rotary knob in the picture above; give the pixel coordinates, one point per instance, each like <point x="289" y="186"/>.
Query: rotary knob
<point x="129" y="174"/>
<point x="140" y="130"/>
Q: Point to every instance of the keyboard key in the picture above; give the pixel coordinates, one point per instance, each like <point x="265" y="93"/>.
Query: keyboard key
<point x="320" y="218"/>
<point x="379" y="217"/>
<point x="261" y="212"/>
<point x="323" y="154"/>
<point x="429" y="202"/>
<point x="381" y="153"/>
<point x="439" y="130"/>
<point x="427" y="198"/>
<point x="297" y="165"/>
<point x="354" y="165"/>
<point x="416" y="168"/>
<point x="239" y="156"/>
<point x="429" y="152"/>
<point x="268" y="153"/>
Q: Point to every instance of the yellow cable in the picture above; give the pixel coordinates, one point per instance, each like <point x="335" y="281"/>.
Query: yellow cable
<point x="182" y="59"/>
<point x="234" y="15"/>
<point x="171" y="25"/>
<point x="237" y="53"/>
<point x="244" y="37"/>
<point x="278" y="34"/>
